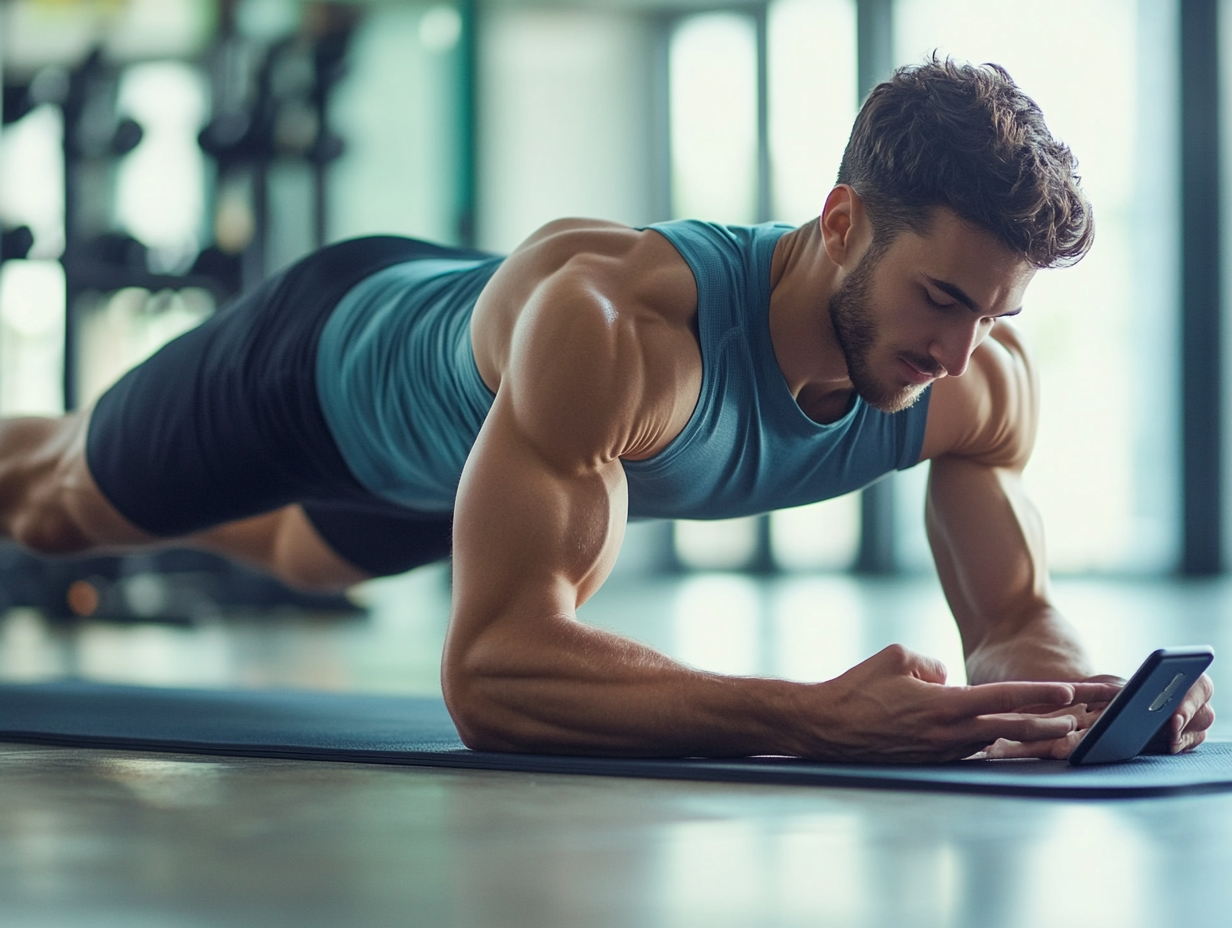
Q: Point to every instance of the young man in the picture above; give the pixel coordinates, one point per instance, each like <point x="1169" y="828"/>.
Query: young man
<point x="330" y="425"/>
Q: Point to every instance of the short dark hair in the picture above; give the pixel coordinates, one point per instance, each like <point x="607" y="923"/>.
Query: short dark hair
<point x="965" y="137"/>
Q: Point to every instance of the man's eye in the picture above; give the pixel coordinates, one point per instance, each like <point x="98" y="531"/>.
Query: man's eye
<point x="931" y="302"/>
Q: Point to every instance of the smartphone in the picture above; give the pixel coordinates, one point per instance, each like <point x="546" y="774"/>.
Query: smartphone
<point x="1143" y="707"/>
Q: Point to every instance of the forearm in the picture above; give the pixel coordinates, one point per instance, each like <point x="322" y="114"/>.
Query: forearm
<point x="560" y="687"/>
<point x="557" y="686"/>
<point x="989" y="547"/>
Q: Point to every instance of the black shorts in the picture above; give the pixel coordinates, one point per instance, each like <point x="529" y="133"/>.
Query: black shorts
<point x="224" y="422"/>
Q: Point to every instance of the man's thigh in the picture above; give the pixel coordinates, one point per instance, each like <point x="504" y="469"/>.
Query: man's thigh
<point x="331" y="547"/>
<point x="285" y="544"/>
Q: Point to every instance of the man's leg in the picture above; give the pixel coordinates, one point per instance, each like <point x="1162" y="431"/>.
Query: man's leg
<point x="285" y="544"/>
<point x="50" y="504"/>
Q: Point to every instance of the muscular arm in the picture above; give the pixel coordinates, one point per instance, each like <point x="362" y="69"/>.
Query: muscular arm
<point x="987" y="537"/>
<point x="538" y="523"/>
<point x="521" y="673"/>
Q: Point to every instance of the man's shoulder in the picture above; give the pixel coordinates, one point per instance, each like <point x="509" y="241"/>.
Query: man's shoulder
<point x="593" y="334"/>
<point x="633" y="268"/>
<point x="990" y="413"/>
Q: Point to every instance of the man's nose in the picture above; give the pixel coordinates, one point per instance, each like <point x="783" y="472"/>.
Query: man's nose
<point x="953" y="348"/>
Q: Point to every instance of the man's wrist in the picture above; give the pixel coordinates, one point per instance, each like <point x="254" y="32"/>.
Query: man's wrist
<point x="1047" y="649"/>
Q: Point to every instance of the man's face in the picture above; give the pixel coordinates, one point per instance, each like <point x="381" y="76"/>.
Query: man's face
<point x="917" y="310"/>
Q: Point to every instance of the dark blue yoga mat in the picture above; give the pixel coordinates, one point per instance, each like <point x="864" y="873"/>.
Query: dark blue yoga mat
<point x="418" y="732"/>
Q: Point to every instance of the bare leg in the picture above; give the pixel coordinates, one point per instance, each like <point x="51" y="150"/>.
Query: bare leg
<point x="50" y="504"/>
<point x="285" y="544"/>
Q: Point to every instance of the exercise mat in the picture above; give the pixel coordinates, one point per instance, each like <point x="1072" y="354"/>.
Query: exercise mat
<point x="418" y="732"/>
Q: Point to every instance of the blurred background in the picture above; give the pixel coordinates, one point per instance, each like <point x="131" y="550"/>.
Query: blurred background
<point x="157" y="157"/>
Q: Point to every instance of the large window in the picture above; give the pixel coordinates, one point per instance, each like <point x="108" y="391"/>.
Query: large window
<point x="565" y="127"/>
<point x="713" y="81"/>
<point x="398" y="110"/>
<point x="32" y="291"/>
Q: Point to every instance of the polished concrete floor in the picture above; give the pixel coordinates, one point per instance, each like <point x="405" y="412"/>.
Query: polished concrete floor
<point x="104" y="838"/>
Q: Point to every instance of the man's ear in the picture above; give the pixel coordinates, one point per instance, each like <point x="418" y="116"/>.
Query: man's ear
<point x="844" y="225"/>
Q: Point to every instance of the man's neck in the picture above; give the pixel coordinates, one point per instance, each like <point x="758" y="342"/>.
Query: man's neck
<point x="802" y="280"/>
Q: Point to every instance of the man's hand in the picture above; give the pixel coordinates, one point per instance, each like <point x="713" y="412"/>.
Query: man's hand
<point x="1184" y="731"/>
<point x="1188" y="725"/>
<point x="895" y="707"/>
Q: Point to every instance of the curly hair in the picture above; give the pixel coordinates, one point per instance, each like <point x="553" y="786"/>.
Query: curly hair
<point x="965" y="137"/>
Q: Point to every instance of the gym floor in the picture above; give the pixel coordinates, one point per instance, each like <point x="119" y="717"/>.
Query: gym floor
<point x="104" y="838"/>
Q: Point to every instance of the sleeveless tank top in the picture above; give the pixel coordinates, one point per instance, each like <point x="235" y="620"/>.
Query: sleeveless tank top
<point x="404" y="401"/>
<point x="748" y="447"/>
<point x="397" y="379"/>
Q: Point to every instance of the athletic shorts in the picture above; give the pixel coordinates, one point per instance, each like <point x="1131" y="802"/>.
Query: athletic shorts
<point x="224" y="423"/>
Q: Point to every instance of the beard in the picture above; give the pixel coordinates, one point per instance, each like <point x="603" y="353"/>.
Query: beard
<point x="856" y="331"/>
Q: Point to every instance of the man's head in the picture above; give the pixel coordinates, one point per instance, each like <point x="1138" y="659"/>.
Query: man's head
<point x="966" y="138"/>
<point x="918" y="310"/>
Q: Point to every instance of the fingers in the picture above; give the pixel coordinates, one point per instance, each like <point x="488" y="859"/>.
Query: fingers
<point x="1197" y="699"/>
<point x="1023" y="728"/>
<point x="1096" y="692"/>
<point x="1201" y="720"/>
<point x="931" y="670"/>
<point x="1194" y="716"/>
<point x="1005" y="749"/>
<point x="1186" y="741"/>
<point x="993" y="698"/>
<point x="1118" y="682"/>
<point x="1084" y="715"/>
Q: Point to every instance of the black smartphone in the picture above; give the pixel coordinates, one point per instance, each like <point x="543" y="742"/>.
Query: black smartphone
<point x="1143" y="707"/>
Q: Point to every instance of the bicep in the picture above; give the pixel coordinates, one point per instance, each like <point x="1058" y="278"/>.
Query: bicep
<point x="534" y="535"/>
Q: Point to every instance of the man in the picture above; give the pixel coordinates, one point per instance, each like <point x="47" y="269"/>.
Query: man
<point x="329" y="426"/>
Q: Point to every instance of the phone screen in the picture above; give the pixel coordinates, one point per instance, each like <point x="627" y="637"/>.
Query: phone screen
<point x="1144" y="706"/>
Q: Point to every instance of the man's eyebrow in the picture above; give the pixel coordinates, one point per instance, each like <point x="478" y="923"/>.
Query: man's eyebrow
<point x="957" y="293"/>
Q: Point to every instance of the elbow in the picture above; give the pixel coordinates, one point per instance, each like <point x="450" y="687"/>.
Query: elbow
<point x="482" y="723"/>
<point x="477" y="726"/>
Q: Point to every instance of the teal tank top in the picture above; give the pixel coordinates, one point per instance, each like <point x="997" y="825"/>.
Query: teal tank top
<point x="748" y="447"/>
<point x="404" y="401"/>
<point x="397" y="379"/>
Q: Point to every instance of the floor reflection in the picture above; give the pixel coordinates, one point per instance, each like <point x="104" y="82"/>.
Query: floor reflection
<point x="152" y="839"/>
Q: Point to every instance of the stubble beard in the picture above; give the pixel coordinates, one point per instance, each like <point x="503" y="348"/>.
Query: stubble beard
<point x="856" y="332"/>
